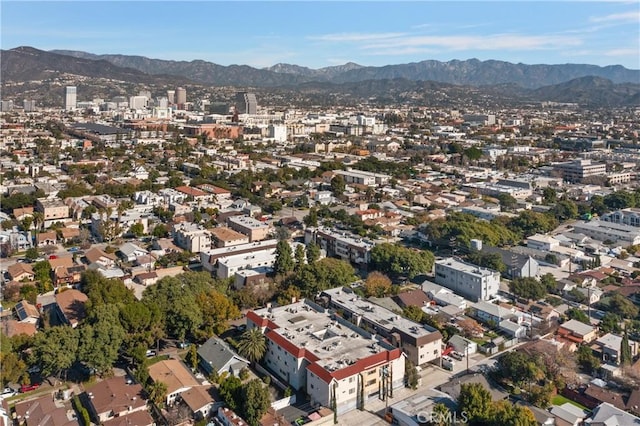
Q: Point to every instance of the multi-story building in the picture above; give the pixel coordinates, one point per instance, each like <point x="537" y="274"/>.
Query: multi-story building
<point x="229" y="265"/>
<point x="467" y="280"/>
<point x="421" y="344"/>
<point x="363" y="178"/>
<point x="629" y="217"/>
<point x="337" y="364"/>
<point x="340" y="244"/>
<point x="181" y="96"/>
<point x="52" y="209"/>
<point x="227" y="237"/>
<point x="578" y="170"/>
<point x="210" y="258"/>
<point x="70" y="100"/>
<point x="191" y="237"/>
<point x="253" y="228"/>
<point x="617" y="233"/>
<point x="246" y="103"/>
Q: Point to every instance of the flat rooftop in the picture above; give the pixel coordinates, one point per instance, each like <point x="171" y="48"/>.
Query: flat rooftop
<point x="347" y="238"/>
<point x="227" y="234"/>
<point x="335" y="341"/>
<point x="387" y="319"/>
<point x="467" y="268"/>
<point x="247" y="221"/>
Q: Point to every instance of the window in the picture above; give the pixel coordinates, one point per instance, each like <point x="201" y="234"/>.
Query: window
<point x="351" y="379"/>
<point x="421" y="356"/>
<point x="311" y="385"/>
<point x="371" y="382"/>
<point x="352" y="391"/>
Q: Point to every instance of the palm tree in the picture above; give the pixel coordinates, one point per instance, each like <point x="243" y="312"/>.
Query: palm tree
<point x="252" y="345"/>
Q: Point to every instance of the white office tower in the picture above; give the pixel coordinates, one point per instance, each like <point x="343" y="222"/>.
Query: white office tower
<point x="171" y="96"/>
<point x="29" y="105"/>
<point x="277" y="132"/>
<point x="70" y="99"/>
<point x="162" y="103"/>
<point x="138" y="102"/>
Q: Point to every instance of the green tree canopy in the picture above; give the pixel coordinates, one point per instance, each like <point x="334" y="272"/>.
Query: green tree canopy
<point x="101" y="337"/>
<point x="252" y="345"/>
<point x="55" y="349"/>
<point x="255" y="401"/>
<point x="475" y="401"/>
<point x="397" y="260"/>
<point x="284" y="262"/>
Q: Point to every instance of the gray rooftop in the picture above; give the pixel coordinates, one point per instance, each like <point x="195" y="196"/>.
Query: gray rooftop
<point x="217" y="353"/>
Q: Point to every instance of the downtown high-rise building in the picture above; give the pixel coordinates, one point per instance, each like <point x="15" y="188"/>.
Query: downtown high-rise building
<point x="171" y="96"/>
<point x="246" y="103"/>
<point x="181" y="96"/>
<point x="70" y="99"/>
<point x="29" y="105"/>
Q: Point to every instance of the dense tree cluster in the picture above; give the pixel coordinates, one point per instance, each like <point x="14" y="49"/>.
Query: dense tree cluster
<point x="476" y="405"/>
<point x="398" y="261"/>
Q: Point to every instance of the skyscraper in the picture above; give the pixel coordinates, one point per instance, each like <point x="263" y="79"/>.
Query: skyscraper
<point x="171" y="96"/>
<point x="181" y="96"/>
<point x="246" y="103"/>
<point x="70" y="100"/>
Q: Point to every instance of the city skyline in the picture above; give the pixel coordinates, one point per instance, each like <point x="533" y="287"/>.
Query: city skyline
<point x="320" y="34"/>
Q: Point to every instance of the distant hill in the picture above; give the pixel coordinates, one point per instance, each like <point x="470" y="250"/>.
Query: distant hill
<point x="471" y="72"/>
<point x="38" y="71"/>
<point x="27" y="64"/>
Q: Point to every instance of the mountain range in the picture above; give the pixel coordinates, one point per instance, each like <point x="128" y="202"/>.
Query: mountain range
<point x="471" y="72"/>
<point x="39" y="73"/>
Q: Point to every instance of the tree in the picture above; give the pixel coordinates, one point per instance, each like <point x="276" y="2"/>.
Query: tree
<point x="42" y="274"/>
<point x="32" y="253"/>
<point x="158" y="393"/>
<point x="290" y="294"/>
<point x="230" y="392"/>
<point x="411" y="374"/>
<point x="549" y="195"/>
<point x="299" y="257"/>
<point x="625" y="351"/>
<point x="160" y="231"/>
<point x="311" y="219"/>
<point x="528" y="288"/>
<point x="587" y="360"/>
<point x="504" y="413"/>
<point x="338" y="185"/>
<point x="313" y="252"/>
<point x="137" y="229"/>
<point x="396" y="260"/>
<point x="55" y="349"/>
<point x="377" y="284"/>
<point x="578" y="315"/>
<point x="440" y="415"/>
<point x="192" y="357"/>
<point x="252" y="345"/>
<point x="414" y="313"/>
<point x="216" y="310"/>
<point x="610" y="323"/>
<point x="284" y="262"/>
<point x="565" y="210"/>
<point x="255" y="401"/>
<point x="622" y="306"/>
<point x="13" y="368"/>
<point x="100" y="338"/>
<point x="475" y="401"/>
<point x="488" y="260"/>
<point x="507" y="202"/>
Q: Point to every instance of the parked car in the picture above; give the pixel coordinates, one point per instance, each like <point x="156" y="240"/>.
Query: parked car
<point x="184" y="345"/>
<point x="29" y="388"/>
<point x="457" y="355"/>
<point x="33" y="369"/>
<point x="150" y="353"/>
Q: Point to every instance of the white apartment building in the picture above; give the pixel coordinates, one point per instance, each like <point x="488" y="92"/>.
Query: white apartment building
<point x="542" y="242"/>
<point x="420" y="343"/>
<point x="191" y="237"/>
<point x="618" y="233"/>
<point x="629" y="217"/>
<point x="334" y="361"/>
<point x="209" y="258"/>
<point x="340" y="244"/>
<point x="363" y="178"/>
<point x="467" y="280"/>
<point x="277" y="132"/>
<point x="229" y="265"/>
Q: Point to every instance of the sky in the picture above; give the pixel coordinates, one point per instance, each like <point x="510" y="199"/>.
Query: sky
<point x="324" y="33"/>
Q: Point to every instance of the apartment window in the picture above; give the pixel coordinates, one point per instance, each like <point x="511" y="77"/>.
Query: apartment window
<point x="435" y="352"/>
<point x="371" y="382"/>
<point x="311" y="385"/>
<point x="351" y="379"/>
<point x="421" y="356"/>
<point x="352" y="391"/>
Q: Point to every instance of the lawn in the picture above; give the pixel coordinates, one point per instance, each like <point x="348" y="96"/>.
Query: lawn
<point x="559" y="400"/>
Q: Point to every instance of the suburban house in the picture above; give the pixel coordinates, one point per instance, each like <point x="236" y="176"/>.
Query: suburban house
<point x="48" y="238"/>
<point x="95" y="255"/>
<point x="70" y="306"/>
<point x="26" y="312"/>
<point x="21" y="272"/>
<point x="42" y="411"/>
<point x="129" y="252"/>
<point x="175" y="375"/>
<point x="115" y="398"/>
<point x="576" y="331"/>
<point x="217" y="357"/>
<point x="608" y="348"/>
<point x="200" y="402"/>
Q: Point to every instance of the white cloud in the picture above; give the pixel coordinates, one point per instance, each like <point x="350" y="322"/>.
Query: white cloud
<point x="622" y="52"/>
<point x="402" y="51"/>
<point x="478" y="42"/>
<point x="631" y="16"/>
<point x="346" y="37"/>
